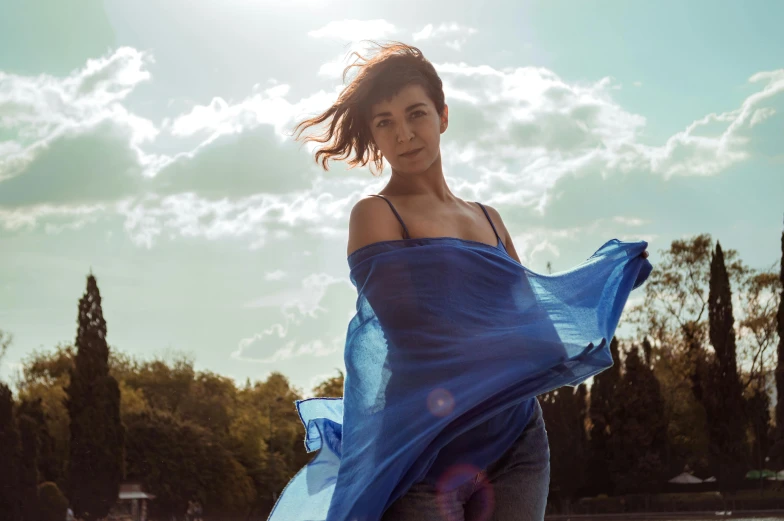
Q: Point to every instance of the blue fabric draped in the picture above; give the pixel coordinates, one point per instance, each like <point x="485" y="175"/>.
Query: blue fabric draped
<point x="448" y="333"/>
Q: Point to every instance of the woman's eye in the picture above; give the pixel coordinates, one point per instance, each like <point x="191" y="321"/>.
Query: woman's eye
<point x="380" y="125"/>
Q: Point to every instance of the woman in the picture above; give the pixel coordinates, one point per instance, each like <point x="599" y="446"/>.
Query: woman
<point x="453" y="338"/>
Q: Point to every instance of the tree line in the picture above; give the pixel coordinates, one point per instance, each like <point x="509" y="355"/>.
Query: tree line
<point x="691" y="389"/>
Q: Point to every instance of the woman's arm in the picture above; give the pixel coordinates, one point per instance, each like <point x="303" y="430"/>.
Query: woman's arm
<point x="371" y="221"/>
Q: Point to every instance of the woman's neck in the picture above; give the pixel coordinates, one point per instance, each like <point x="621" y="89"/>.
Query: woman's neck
<point x="429" y="185"/>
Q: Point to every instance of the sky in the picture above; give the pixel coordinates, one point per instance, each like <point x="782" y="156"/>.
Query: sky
<point x="150" y="143"/>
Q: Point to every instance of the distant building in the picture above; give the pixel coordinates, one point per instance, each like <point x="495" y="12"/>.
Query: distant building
<point x="131" y="503"/>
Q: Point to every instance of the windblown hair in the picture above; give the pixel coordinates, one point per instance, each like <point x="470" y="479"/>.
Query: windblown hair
<point x="395" y="66"/>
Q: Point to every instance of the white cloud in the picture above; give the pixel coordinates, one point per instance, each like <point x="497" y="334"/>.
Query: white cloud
<point x="359" y="34"/>
<point x="275" y="275"/>
<point x="305" y="300"/>
<point x="444" y="31"/>
<point x="41" y="109"/>
<point x="629" y="221"/>
<point x="27" y="218"/>
<point x="513" y="134"/>
<point x="218" y="118"/>
<point x="316" y="210"/>
<point x="355" y="30"/>
<point x="687" y="153"/>
<point x="537" y="245"/>
<point x="313" y="321"/>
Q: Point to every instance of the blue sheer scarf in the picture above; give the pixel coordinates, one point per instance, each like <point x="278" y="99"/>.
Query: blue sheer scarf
<point x="448" y="333"/>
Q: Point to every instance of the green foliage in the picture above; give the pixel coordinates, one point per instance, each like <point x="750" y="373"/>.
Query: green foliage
<point x="564" y="412"/>
<point x="331" y="387"/>
<point x="48" y="466"/>
<point x="687" y="434"/>
<point x="779" y="434"/>
<point x="52" y="502"/>
<point x="601" y="405"/>
<point x="28" y="470"/>
<point x="10" y="458"/>
<point x="179" y="461"/>
<point x="638" y="441"/>
<point x="210" y="403"/>
<point x="5" y="342"/>
<point x="197" y="435"/>
<point x="44" y="382"/>
<point x="724" y="403"/>
<point x="165" y="386"/>
<point x="96" y="459"/>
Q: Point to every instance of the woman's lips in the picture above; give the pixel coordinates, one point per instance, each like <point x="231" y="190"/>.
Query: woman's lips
<point x="412" y="154"/>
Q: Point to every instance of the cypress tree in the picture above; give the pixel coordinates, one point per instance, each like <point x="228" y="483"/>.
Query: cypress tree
<point x="758" y="406"/>
<point x="48" y="467"/>
<point x="780" y="352"/>
<point x="600" y="412"/>
<point x="564" y="414"/>
<point x="96" y="463"/>
<point x="639" y="436"/>
<point x="52" y="503"/>
<point x="28" y="470"/>
<point x="10" y="458"/>
<point x="724" y="404"/>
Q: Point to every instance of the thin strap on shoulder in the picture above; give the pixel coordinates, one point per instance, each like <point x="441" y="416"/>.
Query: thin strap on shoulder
<point x="405" y="230"/>
<point x="489" y="219"/>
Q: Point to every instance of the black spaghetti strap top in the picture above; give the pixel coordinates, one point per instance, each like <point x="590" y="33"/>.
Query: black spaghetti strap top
<point x="491" y="221"/>
<point x="405" y="229"/>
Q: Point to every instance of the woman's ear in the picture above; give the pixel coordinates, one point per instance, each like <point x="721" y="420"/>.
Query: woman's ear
<point x="445" y="118"/>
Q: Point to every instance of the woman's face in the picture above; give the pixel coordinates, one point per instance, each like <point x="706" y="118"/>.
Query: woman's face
<point x="407" y="122"/>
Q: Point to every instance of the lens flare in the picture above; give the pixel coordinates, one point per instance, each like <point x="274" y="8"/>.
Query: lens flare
<point x="440" y="402"/>
<point x="452" y="478"/>
<point x="481" y="503"/>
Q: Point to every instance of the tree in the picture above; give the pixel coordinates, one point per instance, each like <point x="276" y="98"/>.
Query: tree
<point x="166" y="386"/>
<point x="96" y="463"/>
<point x="179" y="461"/>
<point x="674" y="317"/>
<point x="53" y="503"/>
<point x="724" y="402"/>
<point x="48" y="466"/>
<point x="10" y="458"/>
<point x="687" y="432"/>
<point x="331" y="387"/>
<point x="759" y="299"/>
<point x="780" y="356"/>
<point x="210" y="403"/>
<point x="564" y="412"/>
<point x="28" y="470"/>
<point x="602" y="398"/>
<point x="44" y="378"/>
<point x="5" y="343"/>
<point x="637" y="424"/>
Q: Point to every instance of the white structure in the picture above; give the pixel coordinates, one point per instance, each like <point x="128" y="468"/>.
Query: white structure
<point x="131" y="503"/>
<point x="685" y="479"/>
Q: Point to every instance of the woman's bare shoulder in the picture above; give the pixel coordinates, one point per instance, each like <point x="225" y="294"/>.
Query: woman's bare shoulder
<point x="506" y="237"/>
<point x="371" y="220"/>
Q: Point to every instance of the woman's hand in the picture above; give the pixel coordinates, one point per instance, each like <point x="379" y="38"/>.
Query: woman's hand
<point x="645" y="254"/>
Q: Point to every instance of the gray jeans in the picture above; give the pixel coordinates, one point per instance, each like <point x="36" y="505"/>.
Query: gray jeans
<point x="514" y="487"/>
